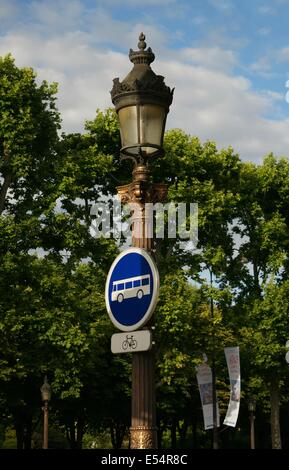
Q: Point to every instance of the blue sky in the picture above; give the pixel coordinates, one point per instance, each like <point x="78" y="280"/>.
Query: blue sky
<point x="227" y="59"/>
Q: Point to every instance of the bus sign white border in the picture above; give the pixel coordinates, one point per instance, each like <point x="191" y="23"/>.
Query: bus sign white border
<point x="155" y="282"/>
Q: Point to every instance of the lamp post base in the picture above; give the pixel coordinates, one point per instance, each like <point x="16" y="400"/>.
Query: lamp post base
<point x="142" y="437"/>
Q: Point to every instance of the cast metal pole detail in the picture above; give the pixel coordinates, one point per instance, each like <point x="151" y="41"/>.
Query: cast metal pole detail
<point x="143" y="431"/>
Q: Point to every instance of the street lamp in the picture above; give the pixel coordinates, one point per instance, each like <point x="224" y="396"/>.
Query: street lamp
<point x="252" y="409"/>
<point x="142" y="101"/>
<point x="46" y="396"/>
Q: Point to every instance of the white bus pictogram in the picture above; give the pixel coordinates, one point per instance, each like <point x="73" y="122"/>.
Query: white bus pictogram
<point x="137" y="286"/>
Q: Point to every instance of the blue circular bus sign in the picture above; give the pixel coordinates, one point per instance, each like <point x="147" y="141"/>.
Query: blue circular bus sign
<point x="132" y="289"/>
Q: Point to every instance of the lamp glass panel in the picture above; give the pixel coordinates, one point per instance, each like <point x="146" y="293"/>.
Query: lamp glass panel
<point x="45" y="391"/>
<point x="46" y="395"/>
<point x="152" y="123"/>
<point x="142" y="124"/>
<point x="128" y="125"/>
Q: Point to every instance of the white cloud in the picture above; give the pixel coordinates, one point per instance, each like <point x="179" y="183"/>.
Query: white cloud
<point x="210" y="57"/>
<point x="221" y="37"/>
<point x="199" y="20"/>
<point x="84" y="73"/>
<point x="57" y="14"/>
<point x="283" y="54"/>
<point x="261" y="65"/>
<point x="264" y="31"/>
<point x="274" y="95"/>
<point x="263" y="68"/>
<point x="213" y="105"/>
<point x="223" y="5"/>
<point x="266" y="10"/>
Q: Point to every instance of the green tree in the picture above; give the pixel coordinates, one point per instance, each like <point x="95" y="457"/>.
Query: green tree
<point x="261" y="267"/>
<point x="51" y="315"/>
<point x="29" y="122"/>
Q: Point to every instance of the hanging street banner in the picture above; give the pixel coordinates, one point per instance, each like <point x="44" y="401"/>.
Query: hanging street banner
<point x="205" y="384"/>
<point x="132" y="289"/>
<point x="233" y="364"/>
<point x="135" y="341"/>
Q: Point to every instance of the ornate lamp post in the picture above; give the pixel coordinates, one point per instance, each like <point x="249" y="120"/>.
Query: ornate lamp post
<point x="46" y="396"/>
<point x="142" y="102"/>
<point x="252" y="409"/>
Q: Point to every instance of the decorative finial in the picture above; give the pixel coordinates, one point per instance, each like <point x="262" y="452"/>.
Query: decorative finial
<point x="142" y="56"/>
<point x="142" y="44"/>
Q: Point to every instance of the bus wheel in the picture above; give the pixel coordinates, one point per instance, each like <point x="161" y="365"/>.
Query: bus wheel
<point x="140" y="294"/>
<point x="120" y="298"/>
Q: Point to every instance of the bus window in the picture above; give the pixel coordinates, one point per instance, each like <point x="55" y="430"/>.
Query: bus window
<point x="128" y="285"/>
<point x="136" y="283"/>
<point x="120" y="286"/>
<point x="146" y="281"/>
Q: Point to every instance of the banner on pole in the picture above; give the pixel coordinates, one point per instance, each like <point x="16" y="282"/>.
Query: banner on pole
<point x="233" y="364"/>
<point x="205" y="384"/>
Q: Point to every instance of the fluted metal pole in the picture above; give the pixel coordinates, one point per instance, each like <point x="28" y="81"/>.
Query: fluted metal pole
<point x="252" y="430"/>
<point x="45" y="425"/>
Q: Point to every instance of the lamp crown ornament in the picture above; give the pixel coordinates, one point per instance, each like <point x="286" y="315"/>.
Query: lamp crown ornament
<point x="142" y="56"/>
<point x="141" y="85"/>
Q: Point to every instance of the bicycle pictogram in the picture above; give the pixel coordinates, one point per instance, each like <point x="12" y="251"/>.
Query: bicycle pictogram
<point x="129" y="342"/>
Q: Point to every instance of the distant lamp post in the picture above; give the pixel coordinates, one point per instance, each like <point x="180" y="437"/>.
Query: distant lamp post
<point x="46" y="396"/>
<point x="252" y="409"/>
